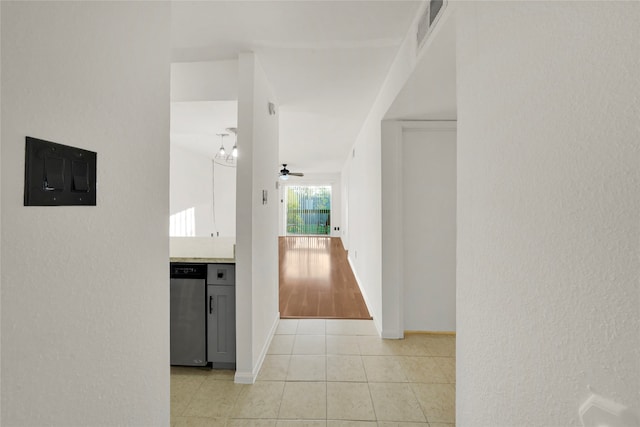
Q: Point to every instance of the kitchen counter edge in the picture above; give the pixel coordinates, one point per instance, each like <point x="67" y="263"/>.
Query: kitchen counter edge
<point x="205" y="260"/>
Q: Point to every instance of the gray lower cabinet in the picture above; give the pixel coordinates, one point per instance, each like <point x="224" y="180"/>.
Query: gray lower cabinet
<point x="221" y="326"/>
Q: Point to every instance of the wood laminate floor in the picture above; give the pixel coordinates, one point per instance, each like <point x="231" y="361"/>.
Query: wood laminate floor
<point x="316" y="280"/>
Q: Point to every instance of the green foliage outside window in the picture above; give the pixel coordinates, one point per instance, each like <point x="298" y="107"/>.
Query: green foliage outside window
<point x="308" y="210"/>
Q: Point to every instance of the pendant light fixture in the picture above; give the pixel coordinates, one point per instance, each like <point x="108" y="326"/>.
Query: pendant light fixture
<point x="221" y="154"/>
<point x="231" y="158"/>
<point x="224" y="157"/>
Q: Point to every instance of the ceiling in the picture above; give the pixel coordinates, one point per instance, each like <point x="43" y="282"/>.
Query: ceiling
<point x="195" y="125"/>
<point x="326" y="61"/>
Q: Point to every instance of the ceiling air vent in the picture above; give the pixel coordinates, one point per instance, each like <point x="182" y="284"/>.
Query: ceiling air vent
<point x="428" y="20"/>
<point x="435" y="6"/>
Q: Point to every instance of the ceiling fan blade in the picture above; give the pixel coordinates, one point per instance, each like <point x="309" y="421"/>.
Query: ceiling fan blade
<point x="296" y="174"/>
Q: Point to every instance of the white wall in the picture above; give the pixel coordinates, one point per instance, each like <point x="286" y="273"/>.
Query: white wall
<point x="548" y="202"/>
<point x="191" y="177"/>
<point x="392" y="266"/>
<point x="0" y="216"/>
<point x="362" y="178"/>
<point x="344" y="204"/>
<point x="204" y="81"/>
<point x="203" y="96"/>
<point x="225" y="201"/>
<point x="364" y="241"/>
<point x="429" y="227"/>
<point x="257" y="223"/>
<point x="418" y="226"/>
<point x="85" y="295"/>
<point x="195" y="182"/>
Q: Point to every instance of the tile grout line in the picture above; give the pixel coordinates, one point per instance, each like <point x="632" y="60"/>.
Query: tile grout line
<point x="191" y="399"/>
<point x="228" y="418"/>
<point x="415" y="396"/>
<point x="366" y="377"/>
<point x="326" y="377"/>
<point x="284" y="386"/>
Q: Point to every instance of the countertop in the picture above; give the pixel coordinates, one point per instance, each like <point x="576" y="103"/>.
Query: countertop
<point x="204" y="260"/>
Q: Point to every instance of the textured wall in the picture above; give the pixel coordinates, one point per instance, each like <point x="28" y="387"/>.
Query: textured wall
<point x="548" y="202"/>
<point x="370" y="224"/>
<point x="85" y="295"/>
<point x="257" y="223"/>
<point x="204" y="81"/>
<point x="362" y="183"/>
<point x="192" y="185"/>
<point x="429" y="228"/>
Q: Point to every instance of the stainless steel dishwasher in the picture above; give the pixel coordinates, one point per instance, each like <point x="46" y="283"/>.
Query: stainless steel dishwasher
<point x="188" y="314"/>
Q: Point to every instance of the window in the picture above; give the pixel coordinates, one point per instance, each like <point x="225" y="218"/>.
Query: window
<point x="309" y="209"/>
<point x="183" y="224"/>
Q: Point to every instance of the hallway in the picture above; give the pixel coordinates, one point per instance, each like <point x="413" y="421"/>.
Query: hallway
<point x="316" y="280"/>
<point x="327" y="373"/>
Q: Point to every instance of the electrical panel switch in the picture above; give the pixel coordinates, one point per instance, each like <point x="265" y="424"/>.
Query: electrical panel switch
<point x="53" y="174"/>
<point x="79" y="171"/>
<point x="58" y="175"/>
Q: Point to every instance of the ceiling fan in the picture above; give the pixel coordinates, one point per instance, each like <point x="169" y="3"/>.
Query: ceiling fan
<point x="285" y="174"/>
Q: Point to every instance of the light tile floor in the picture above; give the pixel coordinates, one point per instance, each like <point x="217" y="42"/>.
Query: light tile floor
<point x="327" y="373"/>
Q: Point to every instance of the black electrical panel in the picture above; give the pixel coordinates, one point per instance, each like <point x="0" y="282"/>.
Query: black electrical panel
<point x="58" y="175"/>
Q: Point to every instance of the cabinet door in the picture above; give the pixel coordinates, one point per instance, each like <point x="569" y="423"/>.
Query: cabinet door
<point x="221" y="343"/>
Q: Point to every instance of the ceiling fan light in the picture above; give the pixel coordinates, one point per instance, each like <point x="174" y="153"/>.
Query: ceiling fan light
<point x="284" y="177"/>
<point x="234" y="152"/>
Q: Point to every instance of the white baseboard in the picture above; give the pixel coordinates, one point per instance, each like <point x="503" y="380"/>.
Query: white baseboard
<point x="250" y="377"/>
<point x="364" y="295"/>
<point x="244" y="378"/>
<point x="392" y="334"/>
<point x="265" y="349"/>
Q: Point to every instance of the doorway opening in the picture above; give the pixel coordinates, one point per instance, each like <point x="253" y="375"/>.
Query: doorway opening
<point x="308" y="210"/>
<point x="315" y="278"/>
